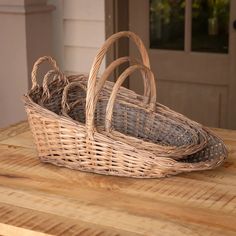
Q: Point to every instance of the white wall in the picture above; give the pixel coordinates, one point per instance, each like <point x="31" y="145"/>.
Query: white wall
<point x="25" y="35"/>
<point x="58" y="32"/>
<point x="13" y="67"/>
<point x="78" y="32"/>
<point x="84" y="33"/>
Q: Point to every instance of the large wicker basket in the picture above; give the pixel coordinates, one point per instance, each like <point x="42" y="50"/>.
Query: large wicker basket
<point x="77" y="123"/>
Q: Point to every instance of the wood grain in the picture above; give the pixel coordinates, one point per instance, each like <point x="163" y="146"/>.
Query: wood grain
<point x="42" y="199"/>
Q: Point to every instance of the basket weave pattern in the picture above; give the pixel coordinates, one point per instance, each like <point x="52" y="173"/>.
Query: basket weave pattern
<point x="90" y="124"/>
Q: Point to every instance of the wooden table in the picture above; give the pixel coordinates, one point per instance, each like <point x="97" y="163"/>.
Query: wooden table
<point x="42" y="199"/>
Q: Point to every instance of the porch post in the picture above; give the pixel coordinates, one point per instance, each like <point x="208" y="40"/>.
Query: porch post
<point x="25" y="35"/>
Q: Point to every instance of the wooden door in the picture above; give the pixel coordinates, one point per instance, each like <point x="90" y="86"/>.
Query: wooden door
<point x="192" y="49"/>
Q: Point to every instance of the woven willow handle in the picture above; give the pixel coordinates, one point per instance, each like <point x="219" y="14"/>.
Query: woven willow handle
<point x="34" y="72"/>
<point x="110" y="69"/>
<point x="91" y="90"/>
<point x="121" y="79"/>
<point x="52" y="74"/>
<point x="64" y="104"/>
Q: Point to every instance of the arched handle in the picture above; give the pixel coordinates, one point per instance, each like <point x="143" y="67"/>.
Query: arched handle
<point x="111" y="68"/>
<point x="34" y="72"/>
<point x="91" y="88"/>
<point x="64" y="104"/>
<point x="121" y="79"/>
<point x="52" y="75"/>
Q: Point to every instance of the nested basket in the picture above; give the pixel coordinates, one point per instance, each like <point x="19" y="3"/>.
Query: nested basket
<point x="78" y="124"/>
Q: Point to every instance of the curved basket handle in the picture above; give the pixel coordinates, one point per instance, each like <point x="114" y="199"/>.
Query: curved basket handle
<point x="64" y="104"/>
<point x="121" y="79"/>
<point x="90" y="98"/>
<point x="52" y="74"/>
<point x="110" y="69"/>
<point x="51" y="61"/>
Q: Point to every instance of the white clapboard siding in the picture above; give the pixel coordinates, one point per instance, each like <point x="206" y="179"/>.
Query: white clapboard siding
<point x="84" y="33"/>
<point x="84" y="9"/>
<point x="79" y="59"/>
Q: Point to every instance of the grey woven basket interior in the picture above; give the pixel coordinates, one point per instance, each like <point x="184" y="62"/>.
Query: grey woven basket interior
<point x="135" y="122"/>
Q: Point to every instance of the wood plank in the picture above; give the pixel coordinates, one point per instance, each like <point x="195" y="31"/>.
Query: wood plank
<point x="23" y="139"/>
<point x="30" y="222"/>
<point x="14" y="130"/>
<point x="59" y="201"/>
<point x="13" y="230"/>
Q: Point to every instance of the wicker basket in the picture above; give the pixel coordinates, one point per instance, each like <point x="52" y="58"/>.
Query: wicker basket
<point x="138" y="146"/>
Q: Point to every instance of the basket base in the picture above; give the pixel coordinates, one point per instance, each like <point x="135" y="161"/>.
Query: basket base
<point x="60" y="163"/>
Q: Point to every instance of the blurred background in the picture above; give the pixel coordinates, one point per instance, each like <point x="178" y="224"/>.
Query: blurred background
<point x="191" y="44"/>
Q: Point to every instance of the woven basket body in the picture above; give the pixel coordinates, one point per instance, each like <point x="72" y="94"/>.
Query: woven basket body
<point x="63" y="142"/>
<point x="94" y="125"/>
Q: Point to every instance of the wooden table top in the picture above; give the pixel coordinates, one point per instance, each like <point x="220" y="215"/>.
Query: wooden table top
<point x="42" y="199"/>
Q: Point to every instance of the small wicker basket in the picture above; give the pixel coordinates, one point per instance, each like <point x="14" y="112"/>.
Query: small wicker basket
<point x="93" y="125"/>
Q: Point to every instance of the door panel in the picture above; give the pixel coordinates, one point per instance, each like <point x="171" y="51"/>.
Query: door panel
<point x="195" y="68"/>
<point x="196" y="101"/>
<point x="198" y="84"/>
